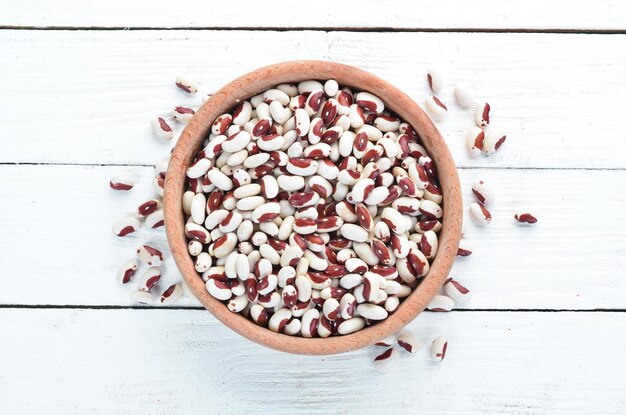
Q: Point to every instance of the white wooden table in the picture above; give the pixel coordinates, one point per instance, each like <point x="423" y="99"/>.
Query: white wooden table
<point x="545" y="331"/>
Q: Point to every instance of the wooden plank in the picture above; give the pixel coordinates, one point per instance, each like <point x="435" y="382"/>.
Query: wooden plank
<point x="532" y="90"/>
<point x="403" y="14"/>
<point x="184" y="361"/>
<point x="57" y="246"/>
<point x="94" y="92"/>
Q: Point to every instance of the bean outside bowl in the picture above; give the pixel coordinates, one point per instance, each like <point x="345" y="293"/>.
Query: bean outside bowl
<point x="254" y="83"/>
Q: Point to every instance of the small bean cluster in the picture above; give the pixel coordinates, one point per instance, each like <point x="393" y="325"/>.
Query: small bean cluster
<point x="153" y="259"/>
<point x="149" y="215"/>
<point x="406" y="341"/>
<point x="479" y="139"/>
<point x="312" y="210"/>
<point x="485" y="198"/>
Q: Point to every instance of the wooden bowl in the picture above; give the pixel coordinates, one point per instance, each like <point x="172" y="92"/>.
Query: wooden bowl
<point x="254" y="83"/>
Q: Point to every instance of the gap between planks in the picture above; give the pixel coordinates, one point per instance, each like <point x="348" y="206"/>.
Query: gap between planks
<point x="17" y="163"/>
<point x="193" y="308"/>
<point x="380" y="29"/>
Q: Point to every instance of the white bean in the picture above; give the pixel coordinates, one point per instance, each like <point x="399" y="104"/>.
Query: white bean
<point x="456" y="291"/>
<point x="218" y="289"/>
<point x="371" y="311"/>
<point x="142" y="297"/>
<point x="219" y="179"/>
<point x="481" y="114"/>
<point x="479" y="214"/>
<point x="127" y="270"/>
<point x="436" y="108"/>
<point x="186" y="84"/>
<point x="483" y="193"/>
<point x="126" y="225"/>
<point x="172" y="294"/>
<point x="123" y="181"/>
<point x="493" y="140"/>
<point x="150" y="255"/>
<point x="350" y="326"/>
<point x="149" y="278"/>
<point x="182" y="114"/>
<point x="438" y="349"/>
<point x="354" y="232"/>
<point x="464" y="96"/>
<point x="441" y="303"/>
<point x="161" y="129"/>
<point x="385" y="361"/>
<point x="436" y="80"/>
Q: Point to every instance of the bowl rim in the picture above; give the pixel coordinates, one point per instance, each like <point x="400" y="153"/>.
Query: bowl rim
<point x="254" y="83"/>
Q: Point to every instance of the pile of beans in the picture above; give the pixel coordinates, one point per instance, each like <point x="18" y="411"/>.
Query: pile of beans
<point x="312" y="210"/>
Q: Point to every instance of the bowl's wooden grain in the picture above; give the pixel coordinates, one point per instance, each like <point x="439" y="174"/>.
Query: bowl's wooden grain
<point x="292" y="72"/>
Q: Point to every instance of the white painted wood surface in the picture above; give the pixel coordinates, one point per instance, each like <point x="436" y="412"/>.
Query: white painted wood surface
<point x="404" y="14"/>
<point x="96" y="91"/>
<point x="76" y="102"/>
<point x="185" y="362"/>
<point x="567" y="261"/>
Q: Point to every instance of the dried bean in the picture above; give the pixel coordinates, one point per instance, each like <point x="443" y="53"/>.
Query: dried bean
<point x="126" y="225"/>
<point x="149" y="278"/>
<point x="441" y="303"/>
<point x="161" y="129"/>
<point x="481" y="114"/>
<point x="127" y="270"/>
<point x="408" y="342"/>
<point x="438" y="349"/>
<point x="525" y="217"/>
<point x="479" y="214"/>
<point x="386" y="360"/>
<point x="122" y="182"/>
<point x="483" y="193"/>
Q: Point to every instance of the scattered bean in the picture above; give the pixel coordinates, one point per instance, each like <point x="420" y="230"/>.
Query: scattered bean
<point x="186" y="84"/>
<point x="386" y="360"/>
<point x="150" y="255"/>
<point x="525" y="217"/>
<point x="127" y="270"/>
<point x="435" y="79"/>
<point x="386" y="342"/>
<point x="493" y="140"/>
<point x="408" y="342"/>
<point x="149" y="278"/>
<point x="441" y="303"/>
<point x="161" y="129"/>
<point x="465" y="248"/>
<point x="126" y="225"/>
<point x="481" y="114"/>
<point x="172" y="294"/>
<point x="142" y="297"/>
<point x="436" y="108"/>
<point x="484" y="194"/>
<point x="480" y="214"/>
<point x="438" y="349"/>
<point x="464" y="96"/>
<point x="475" y="139"/>
<point x="183" y="114"/>
<point x="456" y="291"/>
<point x="122" y="182"/>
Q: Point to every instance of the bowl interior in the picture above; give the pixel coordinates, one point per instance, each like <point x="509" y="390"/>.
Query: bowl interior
<point x="256" y="82"/>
